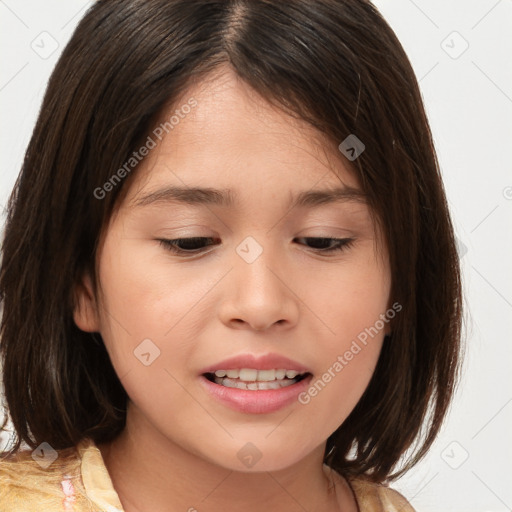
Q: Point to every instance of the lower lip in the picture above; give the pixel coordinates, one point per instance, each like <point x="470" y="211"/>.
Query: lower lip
<point x="256" y="402"/>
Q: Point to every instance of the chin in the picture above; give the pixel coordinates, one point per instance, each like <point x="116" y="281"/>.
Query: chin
<point x="256" y="458"/>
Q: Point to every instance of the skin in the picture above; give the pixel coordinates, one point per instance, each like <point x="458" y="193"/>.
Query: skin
<point x="179" y="449"/>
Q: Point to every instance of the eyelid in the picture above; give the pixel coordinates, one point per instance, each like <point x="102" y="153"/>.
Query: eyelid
<point x="341" y="244"/>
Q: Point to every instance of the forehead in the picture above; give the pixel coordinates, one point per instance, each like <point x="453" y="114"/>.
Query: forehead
<point x="233" y="142"/>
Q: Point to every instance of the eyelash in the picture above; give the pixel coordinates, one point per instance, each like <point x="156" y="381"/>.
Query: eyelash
<point x="171" y="245"/>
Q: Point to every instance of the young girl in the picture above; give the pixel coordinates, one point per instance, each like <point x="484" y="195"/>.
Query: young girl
<point x="229" y="278"/>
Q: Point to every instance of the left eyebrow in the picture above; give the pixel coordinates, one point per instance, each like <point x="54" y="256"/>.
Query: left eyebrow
<point x="198" y="196"/>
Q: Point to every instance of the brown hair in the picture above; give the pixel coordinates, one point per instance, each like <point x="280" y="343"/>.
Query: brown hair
<point x="334" y="63"/>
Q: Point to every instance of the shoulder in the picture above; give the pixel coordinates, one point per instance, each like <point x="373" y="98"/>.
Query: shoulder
<point x="373" y="497"/>
<point x="39" y="480"/>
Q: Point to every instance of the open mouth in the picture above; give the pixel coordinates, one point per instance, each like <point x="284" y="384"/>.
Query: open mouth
<point x="256" y="380"/>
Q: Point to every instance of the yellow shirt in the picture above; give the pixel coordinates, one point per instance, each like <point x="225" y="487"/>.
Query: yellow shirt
<point x="78" y="481"/>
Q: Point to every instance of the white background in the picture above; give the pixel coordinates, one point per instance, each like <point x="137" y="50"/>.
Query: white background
<point x="468" y="96"/>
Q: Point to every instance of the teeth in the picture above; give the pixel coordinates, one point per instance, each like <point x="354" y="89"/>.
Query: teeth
<point x="248" y="375"/>
<point x="280" y="374"/>
<point x="252" y="375"/>
<point x="263" y="375"/>
<point x="254" y="386"/>
<point x="255" y="380"/>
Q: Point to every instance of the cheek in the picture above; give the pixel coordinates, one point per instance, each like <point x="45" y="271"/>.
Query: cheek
<point x="339" y="384"/>
<point x="148" y="294"/>
<point x="354" y="306"/>
<point x="143" y="301"/>
<point x="352" y="300"/>
<point x="144" y="325"/>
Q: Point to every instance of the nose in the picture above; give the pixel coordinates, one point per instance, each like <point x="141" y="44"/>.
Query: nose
<point x="259" y="295"/>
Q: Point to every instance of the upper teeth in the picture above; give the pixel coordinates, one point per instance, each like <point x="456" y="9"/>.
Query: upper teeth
<point x="252" y="375"/>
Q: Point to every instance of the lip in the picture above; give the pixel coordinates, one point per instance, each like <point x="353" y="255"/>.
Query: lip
<point x="265" y="362"/>
<point x="256" y="402"/>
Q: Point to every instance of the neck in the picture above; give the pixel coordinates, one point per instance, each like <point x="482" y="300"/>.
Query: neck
<point x="152" y="473"/>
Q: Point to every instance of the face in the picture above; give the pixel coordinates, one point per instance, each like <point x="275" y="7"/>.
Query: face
<point x="279" y="284"/>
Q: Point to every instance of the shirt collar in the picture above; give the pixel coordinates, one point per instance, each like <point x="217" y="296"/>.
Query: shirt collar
<point x="97" y="483"/>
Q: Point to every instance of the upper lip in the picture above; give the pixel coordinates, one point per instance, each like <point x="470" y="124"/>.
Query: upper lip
<point x="265" y="362"/>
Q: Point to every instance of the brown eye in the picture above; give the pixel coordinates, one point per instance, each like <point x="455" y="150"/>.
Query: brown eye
<point x="325" y="244"/>
<point x="186" y="245"/>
